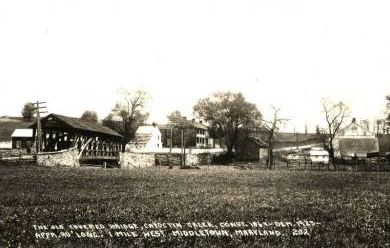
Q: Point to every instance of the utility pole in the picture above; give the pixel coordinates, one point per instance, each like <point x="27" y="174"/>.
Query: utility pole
<point x="182" y="148"/>
<point x="171" y="140"/>
<point x="38" y="137"/>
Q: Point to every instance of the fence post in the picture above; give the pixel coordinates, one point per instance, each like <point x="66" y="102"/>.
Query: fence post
<point x="20" y="157"/>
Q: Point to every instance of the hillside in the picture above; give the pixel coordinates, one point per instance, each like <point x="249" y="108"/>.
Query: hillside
<point x="8" y="125"/>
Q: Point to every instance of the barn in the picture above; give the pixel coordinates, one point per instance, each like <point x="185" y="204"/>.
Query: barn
<point x="355" y="141"/>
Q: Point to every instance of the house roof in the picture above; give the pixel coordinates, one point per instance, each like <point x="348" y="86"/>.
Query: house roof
<point x="79" y="124"/>
<point x="350" y="147"/>
<point x="258" y="142"/>
<point x="146" y="129"/>
<point x="184" y="123"/>
<point x="22" y="133"/>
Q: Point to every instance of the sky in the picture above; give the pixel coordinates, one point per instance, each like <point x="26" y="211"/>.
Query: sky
<point x="76" y="54"/>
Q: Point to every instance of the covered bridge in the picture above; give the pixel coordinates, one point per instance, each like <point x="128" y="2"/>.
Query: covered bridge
<point x="95" y="143"/>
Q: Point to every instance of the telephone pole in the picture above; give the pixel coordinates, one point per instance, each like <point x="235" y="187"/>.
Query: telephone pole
<point x="38" y="137"/>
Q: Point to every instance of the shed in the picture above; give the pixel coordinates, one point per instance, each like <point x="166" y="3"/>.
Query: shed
<point x="319" y="155"/>
<point x="250" y="148"/>
<point x="22" y="138"/>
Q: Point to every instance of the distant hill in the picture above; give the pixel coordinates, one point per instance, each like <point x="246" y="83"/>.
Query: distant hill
<point x="290" y="139"/>
<point x="10" y="119"/>
<point x="9" y="124"/>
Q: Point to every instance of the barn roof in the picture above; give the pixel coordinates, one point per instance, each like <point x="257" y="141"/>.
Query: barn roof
<point x="79" y="124"/>
<point x="350" y="147"/>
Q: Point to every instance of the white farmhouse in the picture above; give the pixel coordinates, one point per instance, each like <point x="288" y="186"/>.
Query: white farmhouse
<point x="147" y="139"/>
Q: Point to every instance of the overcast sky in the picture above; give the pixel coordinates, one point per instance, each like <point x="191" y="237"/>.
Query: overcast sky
<point x="287" y="53"/>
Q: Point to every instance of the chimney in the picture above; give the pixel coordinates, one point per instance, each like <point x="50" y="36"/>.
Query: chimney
<point x="353" y="120"/>
<point x="154" y="124"/>
<point x="193" y="120"/>
<point x="184" y="118"/>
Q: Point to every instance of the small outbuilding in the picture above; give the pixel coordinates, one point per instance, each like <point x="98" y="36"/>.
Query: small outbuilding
<point x="251" y="149"/>
<point x="22" y="138"/>
<point x="319" y="155"/>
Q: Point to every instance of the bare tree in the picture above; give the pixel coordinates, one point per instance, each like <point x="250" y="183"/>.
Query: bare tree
<point x="335" y="114"/>
<point x="130" y="112"/>
<point x="271" y="126"/>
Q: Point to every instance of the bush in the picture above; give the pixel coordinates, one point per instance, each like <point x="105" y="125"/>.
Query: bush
<point x="188" y="167"/>
<point x="223" y="158"/>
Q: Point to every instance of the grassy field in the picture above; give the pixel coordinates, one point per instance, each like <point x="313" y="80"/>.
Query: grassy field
<point x="353" y="209"/>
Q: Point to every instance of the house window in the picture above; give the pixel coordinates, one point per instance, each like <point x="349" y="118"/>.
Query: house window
<point x="18" y="144"/>
<point x="200" y="131"/>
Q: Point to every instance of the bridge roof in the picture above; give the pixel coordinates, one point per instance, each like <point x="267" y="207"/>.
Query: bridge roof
<point x="79" y="124"/>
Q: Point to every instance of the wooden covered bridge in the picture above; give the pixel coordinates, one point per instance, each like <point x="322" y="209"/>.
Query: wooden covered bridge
<point x="95" y="143"/>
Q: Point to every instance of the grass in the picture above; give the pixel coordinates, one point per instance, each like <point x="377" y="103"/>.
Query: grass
<point x="353" y="208"/>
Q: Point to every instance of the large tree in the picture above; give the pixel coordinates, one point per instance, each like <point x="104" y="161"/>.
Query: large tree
<point x="228" y="113"/>
<point x="28" y="111"/>
<point x="128" y="113"/>
<point x="89" y="115"/>
<point x="335" y="114"/>
<point x="271" y="126"/>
